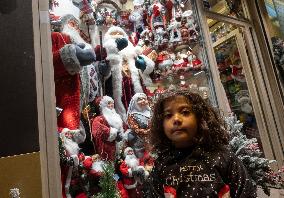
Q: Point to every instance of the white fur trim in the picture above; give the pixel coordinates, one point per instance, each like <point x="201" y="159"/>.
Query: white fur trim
<point x="149" y="69"/>
<point x="130" y="186"/>
<point x="169" y="195"/>
<point x="112" y="134"/>
<point x="115" y="57"/>
<point x="138" y="50"/>
<point x="64" y="131"/>
<point x="69" y="59"/>
<point x="111" y="46"/>
<point x="130" y="173"/>
<point x="75" y="159"/>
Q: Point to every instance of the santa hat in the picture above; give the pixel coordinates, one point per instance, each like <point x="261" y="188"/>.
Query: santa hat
<point x="87" y="163"/>
<point x="126" y="151"/>
<point x="164" y="61"/>
<point x="170" y="192"/>
<point x="104" y="101"/>
<point x="114" y="29"/>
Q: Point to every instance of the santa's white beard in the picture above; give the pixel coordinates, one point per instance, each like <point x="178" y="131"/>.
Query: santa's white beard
<point x="71" y="147"/>
<point x="131" y="161"/>
<point x="98" y="166"/>
<point x="112" y="118"/>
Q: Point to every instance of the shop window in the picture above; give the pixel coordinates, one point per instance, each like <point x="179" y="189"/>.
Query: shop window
<point x="274" y="19"/>
<point x="232" y="61"/>
<point x="232" y="8"/>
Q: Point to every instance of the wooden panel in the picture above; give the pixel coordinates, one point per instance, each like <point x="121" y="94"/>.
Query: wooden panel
<point x="22" y="172"/>
<point x="18" y="101"/>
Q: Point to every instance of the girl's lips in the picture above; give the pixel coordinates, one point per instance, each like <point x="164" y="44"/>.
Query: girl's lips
<point x="174" y="131"/>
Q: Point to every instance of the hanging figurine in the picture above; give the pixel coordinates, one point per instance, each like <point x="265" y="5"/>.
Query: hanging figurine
<point x="100" y="16"/>
<point x="190" y="23"/>
<point x="175" y="33"/>
<point x="137" y="16"/>
<point x="165" y="62"/>
<point x="194" y="62"/>
<point x="157" y="15"/>
<point x="123" y="20"/>
<point x="180" y="63"/>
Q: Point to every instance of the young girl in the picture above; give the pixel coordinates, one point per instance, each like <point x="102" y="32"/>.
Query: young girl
<point x="193" y="156"/>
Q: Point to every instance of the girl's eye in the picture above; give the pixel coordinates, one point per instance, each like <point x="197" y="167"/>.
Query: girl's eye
<point x="185" y="112"/>
<point x="167" y="115"/>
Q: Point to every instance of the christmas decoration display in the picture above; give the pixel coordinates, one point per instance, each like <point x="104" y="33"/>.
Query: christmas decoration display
<point x="248" y="151"/>
<point x="154" y="46"/>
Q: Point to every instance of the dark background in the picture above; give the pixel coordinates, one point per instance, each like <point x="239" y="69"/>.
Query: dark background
<point x="18" y="102"/>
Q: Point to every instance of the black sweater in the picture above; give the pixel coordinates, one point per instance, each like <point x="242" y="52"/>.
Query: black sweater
<point x="196" y="173"/>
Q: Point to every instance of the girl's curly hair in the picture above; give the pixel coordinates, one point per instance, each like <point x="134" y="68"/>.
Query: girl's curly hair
<point x="211" y="133"/>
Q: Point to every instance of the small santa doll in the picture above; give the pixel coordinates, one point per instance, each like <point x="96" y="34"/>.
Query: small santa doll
<point x="106" y="128"/>
<point x="69" y="152"/>
<point x="133" y="173"/>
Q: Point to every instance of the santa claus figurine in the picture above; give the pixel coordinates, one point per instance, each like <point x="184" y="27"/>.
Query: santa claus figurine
<point x="129" y="70"/>
<point x="106" y="128"/>
<point x="69" y="152"/>
<point x="138" y="119"/>
<point x="133" y="174"/>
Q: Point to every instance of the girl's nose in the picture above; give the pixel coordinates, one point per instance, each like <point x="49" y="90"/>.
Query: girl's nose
<point x="177" y="120"/>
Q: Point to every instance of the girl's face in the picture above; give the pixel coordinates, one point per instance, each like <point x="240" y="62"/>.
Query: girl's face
<point x="179" y="123"/>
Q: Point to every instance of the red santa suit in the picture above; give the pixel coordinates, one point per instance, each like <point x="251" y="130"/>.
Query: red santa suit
<point x="128" y="168"/>
<point x="105" y="129"/>
<point x="67" y="81"/>
<point x="126" y="78"/>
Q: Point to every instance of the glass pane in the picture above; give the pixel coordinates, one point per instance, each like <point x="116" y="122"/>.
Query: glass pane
<point x="231" y="59"/>
<point x="161" y="35"/>
<point x="231" y="8"/>
<point x="275" y="24"/>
